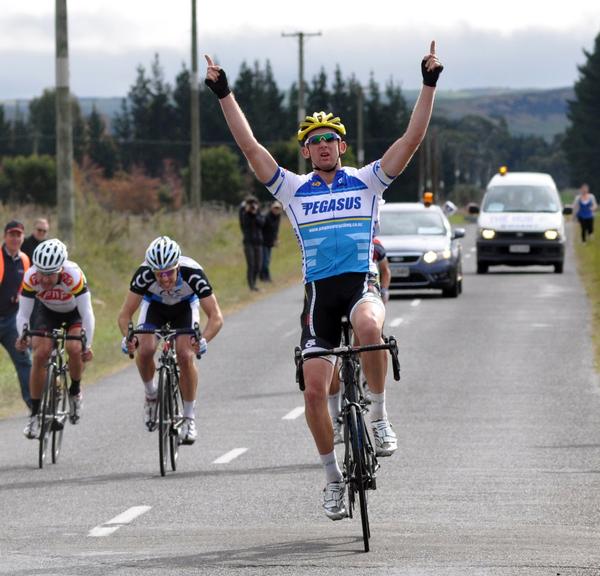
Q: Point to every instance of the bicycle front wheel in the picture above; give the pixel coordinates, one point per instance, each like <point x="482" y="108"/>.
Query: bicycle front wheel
<point x="163" y="419"/>
<point x="175" y="412"/>
<point x="359" y="477"/>
<point x="48" y="408"/>
<point x="60" y="416"/>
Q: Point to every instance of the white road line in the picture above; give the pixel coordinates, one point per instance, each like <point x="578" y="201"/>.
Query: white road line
<point x="468" y="255"/>
<point x="396" y="322"/>
<point x="415" y="302"/>
<point x="292" y="415"/>
<point x="473" y="249"/>
<point x="229" y="456"/>
<point x="118" y="521"/>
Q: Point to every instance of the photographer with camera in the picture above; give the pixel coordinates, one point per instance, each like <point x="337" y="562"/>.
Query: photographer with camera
<point x="252" y="223"/>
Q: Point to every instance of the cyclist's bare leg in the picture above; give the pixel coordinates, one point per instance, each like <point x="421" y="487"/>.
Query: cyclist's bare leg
<point x="317" y="379"/>
<point x="41" y="348"/>
<point x="144" y="358"/>
<point x="73" y="348"/>
<point x="188" y="374"/>
<point x="367" y="323"/>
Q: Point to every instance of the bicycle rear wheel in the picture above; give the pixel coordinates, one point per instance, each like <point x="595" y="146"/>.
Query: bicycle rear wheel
<point x="359" y="475"/>
<point x="163" y="419"/>
<point x="175" y="412"/>
<point x="60" y="415"/>
<point x="46" y="414"/>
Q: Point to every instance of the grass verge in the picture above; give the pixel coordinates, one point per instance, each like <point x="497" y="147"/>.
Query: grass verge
<point x="110" y="246"/>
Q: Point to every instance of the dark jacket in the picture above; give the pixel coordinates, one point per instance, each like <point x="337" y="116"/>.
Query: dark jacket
<point x="271" y="229"/>
<point x="29" y="245"/>
<point x="252" y="227"/>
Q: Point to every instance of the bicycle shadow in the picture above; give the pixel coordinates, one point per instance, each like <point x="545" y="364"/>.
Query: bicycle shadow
<point x="154" y="476"/>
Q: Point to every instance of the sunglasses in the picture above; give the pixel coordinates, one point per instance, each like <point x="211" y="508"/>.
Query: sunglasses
<point x="165" y="273"/>
<point x="41" y="230"/>
<point x="327" y="137"/>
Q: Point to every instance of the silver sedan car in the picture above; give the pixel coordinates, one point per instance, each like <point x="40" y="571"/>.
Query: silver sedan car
<point x="422" y="248"/>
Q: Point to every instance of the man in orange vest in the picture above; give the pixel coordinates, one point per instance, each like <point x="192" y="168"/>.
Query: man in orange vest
<point x="13" y="265"/>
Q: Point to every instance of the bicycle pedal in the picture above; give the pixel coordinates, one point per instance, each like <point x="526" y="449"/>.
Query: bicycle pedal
<point x="57" y="425"/>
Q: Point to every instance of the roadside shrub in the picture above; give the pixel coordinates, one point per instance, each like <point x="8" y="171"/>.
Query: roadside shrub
<point x="29" y="179"/>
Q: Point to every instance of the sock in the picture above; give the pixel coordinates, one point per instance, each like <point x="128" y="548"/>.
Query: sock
<point x="332" y="470"/>
<point x="151" y="389"/>
<point x="335" y="404"/>
<point x="75" y="387"/>
<point x="188" y="409"/>
<point x="377" y="410"/>
<point x="35" y="406"/>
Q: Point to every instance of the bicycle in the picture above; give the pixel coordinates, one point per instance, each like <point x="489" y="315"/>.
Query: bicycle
<point x="360" y="461"/>
<point x="169" y="402"/>
<point x="56" y="400"/>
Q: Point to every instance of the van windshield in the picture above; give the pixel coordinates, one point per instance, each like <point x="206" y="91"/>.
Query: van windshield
<point x="521" y="199"/>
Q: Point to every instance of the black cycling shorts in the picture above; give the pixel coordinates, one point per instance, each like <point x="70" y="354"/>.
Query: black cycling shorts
<point x="327" y="300"/>
<point x="42" y="318"/>
<point x="156" y="314"/>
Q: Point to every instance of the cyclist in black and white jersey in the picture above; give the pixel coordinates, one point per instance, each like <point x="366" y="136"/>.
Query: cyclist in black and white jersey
<point x="169" y="287"/>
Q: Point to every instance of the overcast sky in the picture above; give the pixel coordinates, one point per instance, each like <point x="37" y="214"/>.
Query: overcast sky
<point x="513" y="43"/>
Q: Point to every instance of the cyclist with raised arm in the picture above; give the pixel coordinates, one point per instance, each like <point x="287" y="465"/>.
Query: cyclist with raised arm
<point x="334" y="211"/>
<point x="55" y="292"/>
<point x="169" y="288"/>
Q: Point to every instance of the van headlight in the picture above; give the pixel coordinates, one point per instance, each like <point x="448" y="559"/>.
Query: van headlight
<point x="430" y="257"/>
<point x="488" y="233"/>
<point x="551" y="235"/>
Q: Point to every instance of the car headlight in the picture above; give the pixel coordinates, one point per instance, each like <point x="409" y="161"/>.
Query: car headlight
<point x="551" y="234"/>
<point x="488" y="233"/>
<point x="430" y="257"/>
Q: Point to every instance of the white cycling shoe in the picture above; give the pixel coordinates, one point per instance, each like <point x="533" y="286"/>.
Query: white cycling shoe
<point x="150" y="405"/>
<point x="188" y="432"/>
<point x="384" y="436"/>
<point x="333" y="500"/>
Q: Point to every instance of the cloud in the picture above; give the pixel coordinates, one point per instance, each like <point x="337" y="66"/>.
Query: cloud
<point x="526" y="58"/>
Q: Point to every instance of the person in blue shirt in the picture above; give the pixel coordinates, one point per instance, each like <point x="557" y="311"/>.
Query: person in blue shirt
<point x="584" y="207"/>
<point x="334" y="211"/>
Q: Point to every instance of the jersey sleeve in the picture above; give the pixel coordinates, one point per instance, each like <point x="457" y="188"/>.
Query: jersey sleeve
<point x="284" y="184"/>
<point x="197" y="280"/>
<point x="28" y="290"/>
<point x="374" y="177"/>
<point x="141" y="280"/>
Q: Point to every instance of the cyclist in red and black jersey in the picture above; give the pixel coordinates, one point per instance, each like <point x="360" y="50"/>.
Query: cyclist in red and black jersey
<point x="169" y="287"/>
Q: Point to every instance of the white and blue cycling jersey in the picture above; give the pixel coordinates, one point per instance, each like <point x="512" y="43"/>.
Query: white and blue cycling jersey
<point x="335" y="223"/>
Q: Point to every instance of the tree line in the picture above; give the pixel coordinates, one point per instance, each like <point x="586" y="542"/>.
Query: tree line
<point x="150" y="135"/>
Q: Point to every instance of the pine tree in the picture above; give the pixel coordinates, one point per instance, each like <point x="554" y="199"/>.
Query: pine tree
<point x="582" y="141"/>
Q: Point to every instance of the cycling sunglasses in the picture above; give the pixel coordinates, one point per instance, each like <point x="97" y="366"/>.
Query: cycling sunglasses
<point x="326" y="137"/>
<point x="166" y="273"/>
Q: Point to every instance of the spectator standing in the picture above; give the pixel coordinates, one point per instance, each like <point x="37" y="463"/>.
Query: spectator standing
<point x="270" y="238"/>
<point x="584" y="207"/>
<point x="39" y="234"/>
<point x="13" y="265"/>
<point x="251" y="223"/>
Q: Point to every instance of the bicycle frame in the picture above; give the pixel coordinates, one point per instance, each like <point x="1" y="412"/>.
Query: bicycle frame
<point x="169" y="401"/>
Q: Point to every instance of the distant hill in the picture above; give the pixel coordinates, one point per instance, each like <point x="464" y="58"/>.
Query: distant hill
<point x="527" y="112"/>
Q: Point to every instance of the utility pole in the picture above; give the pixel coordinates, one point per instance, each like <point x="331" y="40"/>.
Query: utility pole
<point x="360" y="152"/>
<point x="195" y="164"/>
<point x="64" y="133"/>
<point x="301" y="109"/>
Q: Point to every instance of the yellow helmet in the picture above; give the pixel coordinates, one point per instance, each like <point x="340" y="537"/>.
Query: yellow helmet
<point x="320" y="120"/>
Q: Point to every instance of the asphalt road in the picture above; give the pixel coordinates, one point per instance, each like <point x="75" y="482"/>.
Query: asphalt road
<point x="497" y="471"/>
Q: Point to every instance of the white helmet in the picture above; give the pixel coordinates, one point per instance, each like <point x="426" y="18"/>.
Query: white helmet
<point x="163" y="253"/>
<point x="49" y="256"/>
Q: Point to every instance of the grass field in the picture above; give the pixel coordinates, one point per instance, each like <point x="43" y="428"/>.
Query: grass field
<point x="110" y="246"/>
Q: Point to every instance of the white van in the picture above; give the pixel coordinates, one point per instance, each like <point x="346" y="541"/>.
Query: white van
<point x="520" y="222"/>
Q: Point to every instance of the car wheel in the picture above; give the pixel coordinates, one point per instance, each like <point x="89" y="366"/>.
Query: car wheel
<point x="558" y="267"/>
<point x="453" y="291"/>
<point x="482" y="267"/>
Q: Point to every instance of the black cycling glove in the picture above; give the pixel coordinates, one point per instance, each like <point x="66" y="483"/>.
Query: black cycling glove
<point x="220" y="87"/>
<point x="430" y="78"/>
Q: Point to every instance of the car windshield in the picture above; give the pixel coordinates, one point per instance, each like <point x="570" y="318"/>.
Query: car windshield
<point x="411" y="223"/>
<point x="521" y="199"/>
